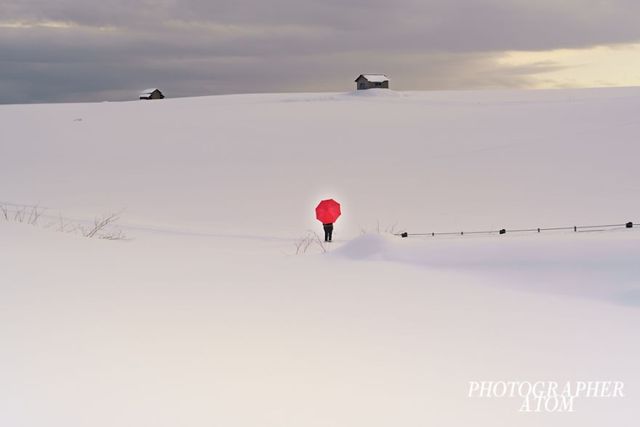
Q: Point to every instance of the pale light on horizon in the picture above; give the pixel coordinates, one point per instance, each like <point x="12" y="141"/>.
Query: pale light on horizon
<point x="600" y="66"/>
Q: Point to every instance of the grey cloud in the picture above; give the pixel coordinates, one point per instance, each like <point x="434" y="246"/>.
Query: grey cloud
<point x="222" y="46"/>
<point x="469" y="25"/>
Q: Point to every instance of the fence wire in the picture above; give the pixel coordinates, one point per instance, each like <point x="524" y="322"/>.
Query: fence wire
<point x="503" y="231"/>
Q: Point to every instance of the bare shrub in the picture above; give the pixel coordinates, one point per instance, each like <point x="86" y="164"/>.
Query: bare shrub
<point x="311" y="239"/>
<point x="98" y="225"/>
<point x="302" y="245"/>
<point x="320" y="242"/>
<point x="18" y="215"/>
<point x="102" y="228"/>
<point x="35" y="215"/>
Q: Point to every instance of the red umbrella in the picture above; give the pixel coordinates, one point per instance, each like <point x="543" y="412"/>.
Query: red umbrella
<point x="328" y="211"/>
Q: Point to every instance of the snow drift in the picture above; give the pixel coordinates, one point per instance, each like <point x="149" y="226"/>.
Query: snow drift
<point x="206" y="316"/>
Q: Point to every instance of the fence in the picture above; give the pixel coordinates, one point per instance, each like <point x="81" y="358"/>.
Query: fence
<point x="574" y="228"/>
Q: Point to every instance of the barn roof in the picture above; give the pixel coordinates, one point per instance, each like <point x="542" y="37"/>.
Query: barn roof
<point x="149" y="91"/>
<point x="374" y="78"/>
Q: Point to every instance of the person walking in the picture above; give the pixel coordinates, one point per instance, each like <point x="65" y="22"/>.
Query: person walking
<point x="327" y="212"/>
<point x="328" y="231"/>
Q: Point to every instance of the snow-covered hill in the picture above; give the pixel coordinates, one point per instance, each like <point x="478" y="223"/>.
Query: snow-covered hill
<point x="426" y="160"/>
<point x="207" y="317"/>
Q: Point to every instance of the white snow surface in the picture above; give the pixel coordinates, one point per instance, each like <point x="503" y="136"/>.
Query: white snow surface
<point x="207" y="317"/>
<point x="376" y="78"/>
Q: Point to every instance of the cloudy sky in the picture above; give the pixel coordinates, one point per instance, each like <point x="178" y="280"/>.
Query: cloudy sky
<point x="89" y="50"/>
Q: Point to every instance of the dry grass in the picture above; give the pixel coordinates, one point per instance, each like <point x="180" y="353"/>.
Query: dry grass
<point x="101" y="228"/>
<point x="310" y="240"/>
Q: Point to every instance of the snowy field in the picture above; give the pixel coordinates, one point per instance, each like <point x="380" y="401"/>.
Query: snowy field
<point x="206" y="316"/>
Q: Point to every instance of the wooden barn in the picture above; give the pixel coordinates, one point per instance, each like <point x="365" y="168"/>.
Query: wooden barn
<point x="152" y="93"/>
<point x="372" y="81"/>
